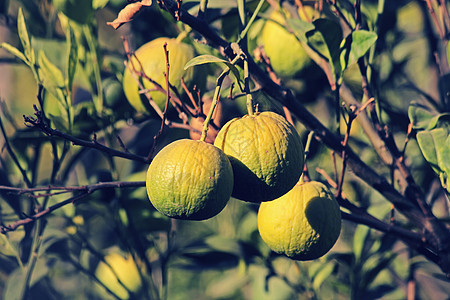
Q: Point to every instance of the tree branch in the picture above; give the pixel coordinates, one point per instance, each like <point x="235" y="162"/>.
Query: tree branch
<point x="84" y="191"/>
<point x="38" y="123"/>
<point x="437" y="234"/>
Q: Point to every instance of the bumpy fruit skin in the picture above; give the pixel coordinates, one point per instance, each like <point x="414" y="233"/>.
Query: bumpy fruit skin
<point x="286" y="53"/>
<point x="266" y="153"/>
<point x="190" y="180"/>
<point x="126" y="271"/>
<point x="152" y="58"/>
<point x="303" y="224"/>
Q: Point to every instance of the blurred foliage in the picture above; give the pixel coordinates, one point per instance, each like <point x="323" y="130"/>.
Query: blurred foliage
<point x="66" y="47"/>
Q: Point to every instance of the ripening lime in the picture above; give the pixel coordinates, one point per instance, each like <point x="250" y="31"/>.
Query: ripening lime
<point x="190" y="180"/>
<point x="266" y="153"/>
<point x="152" y="58"/>
<point x="303" y="224"/>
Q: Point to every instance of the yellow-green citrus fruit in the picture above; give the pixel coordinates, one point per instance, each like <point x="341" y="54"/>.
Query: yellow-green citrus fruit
<point x="126" y="271"/>
<point x="152" y="58"/>
<point x="190" y="180"/>
<point x="286" y="53"/>
<point x="303" y="224"/>
<point x="266" y="153"/>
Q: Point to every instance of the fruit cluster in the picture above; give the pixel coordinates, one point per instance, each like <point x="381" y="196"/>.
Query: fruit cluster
<point x="257" y="158"/>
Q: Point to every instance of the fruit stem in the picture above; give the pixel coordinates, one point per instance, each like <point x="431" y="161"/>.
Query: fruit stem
<point x="183" y="34"/>
<point x="214" y="102"/>
<point x="247" y="89"/>
<point x="216" y="96"/>
<point x="308" y="144"/>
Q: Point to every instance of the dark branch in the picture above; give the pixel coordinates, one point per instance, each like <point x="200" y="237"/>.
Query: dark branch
<point x="84" y="191"/>
<point x="39" y="124"/>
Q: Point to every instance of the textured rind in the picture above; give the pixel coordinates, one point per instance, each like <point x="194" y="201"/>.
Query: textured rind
<point x="190" y="180"/>
<point x="266" y="154"/>
<point x="303" y="224"/>
<point x="151" y="56"/>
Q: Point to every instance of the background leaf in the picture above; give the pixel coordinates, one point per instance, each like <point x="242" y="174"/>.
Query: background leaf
<point x="356" y="46"/>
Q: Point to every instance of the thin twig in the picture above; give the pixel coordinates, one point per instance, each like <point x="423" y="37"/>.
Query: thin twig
<point x="84" y="191"/>
<point x="37" y="123"/>
<point x="163" y="119"/>
<point x="42" y="213"/>
<point x="13" y="154"/>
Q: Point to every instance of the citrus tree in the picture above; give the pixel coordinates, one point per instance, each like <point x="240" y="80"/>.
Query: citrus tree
<point x="224" y="149"/>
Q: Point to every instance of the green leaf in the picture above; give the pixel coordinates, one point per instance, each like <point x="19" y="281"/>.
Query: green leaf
<point x="324" y="272"/>
<point x="207" y="59"/>
<point x="326" y="39"/>
<point x="14" y="51"/>
<point x="435" y="147"/>
<point x="374" y="265"/>
<point x="420" y="115"/>
<point x="300" y="28"/>
<point x="356" y="46"/>
<point x="72" y="56"/>
<point x="25" y="38"/>
<point x="50" y="74"/>
<point x="13" y="287"/>
<point x="8" y="247"/>
<point x="362" y="234"/>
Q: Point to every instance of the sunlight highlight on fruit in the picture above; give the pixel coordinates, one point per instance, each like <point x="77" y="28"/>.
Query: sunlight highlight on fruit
<point x="266" y="153"/>
<point x="303" y="224"/>
<point x="190" y="180"/>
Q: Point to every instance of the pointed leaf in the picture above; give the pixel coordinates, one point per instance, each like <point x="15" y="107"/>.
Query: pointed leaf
<point x="419" y="115"/>
<point x="426" y="141"/>
<point x="326" y="39"/>
<point x="51" y="75"/>
<point x="25" y="38"/>
<point x="14" y="51"/>
<point x="322" y="275"/>
<point x="356" y="46"/>
<point x="435" y="147"/>
<point x="207" y="59"/>
<point x="72" y="56"/>
<point x="362" y="234"/>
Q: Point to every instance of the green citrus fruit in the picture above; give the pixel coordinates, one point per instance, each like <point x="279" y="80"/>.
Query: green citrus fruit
<point x="266" y="154"/>
<point x="286" y="53"/>
<point x="303" y="224"/>
<point x="152" y="58"/>
<point x="190" y="180"/>
<point x="126" y="271"/>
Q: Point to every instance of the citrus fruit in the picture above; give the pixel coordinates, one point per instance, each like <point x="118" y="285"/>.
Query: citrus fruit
<point x="124" y="269"/>
<point x="152" y="58"/>
<point x="190" y="180"/>
<point x="266" y="154"/>
<point x="303" y="224"/>
<point x="286" y="53"/>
